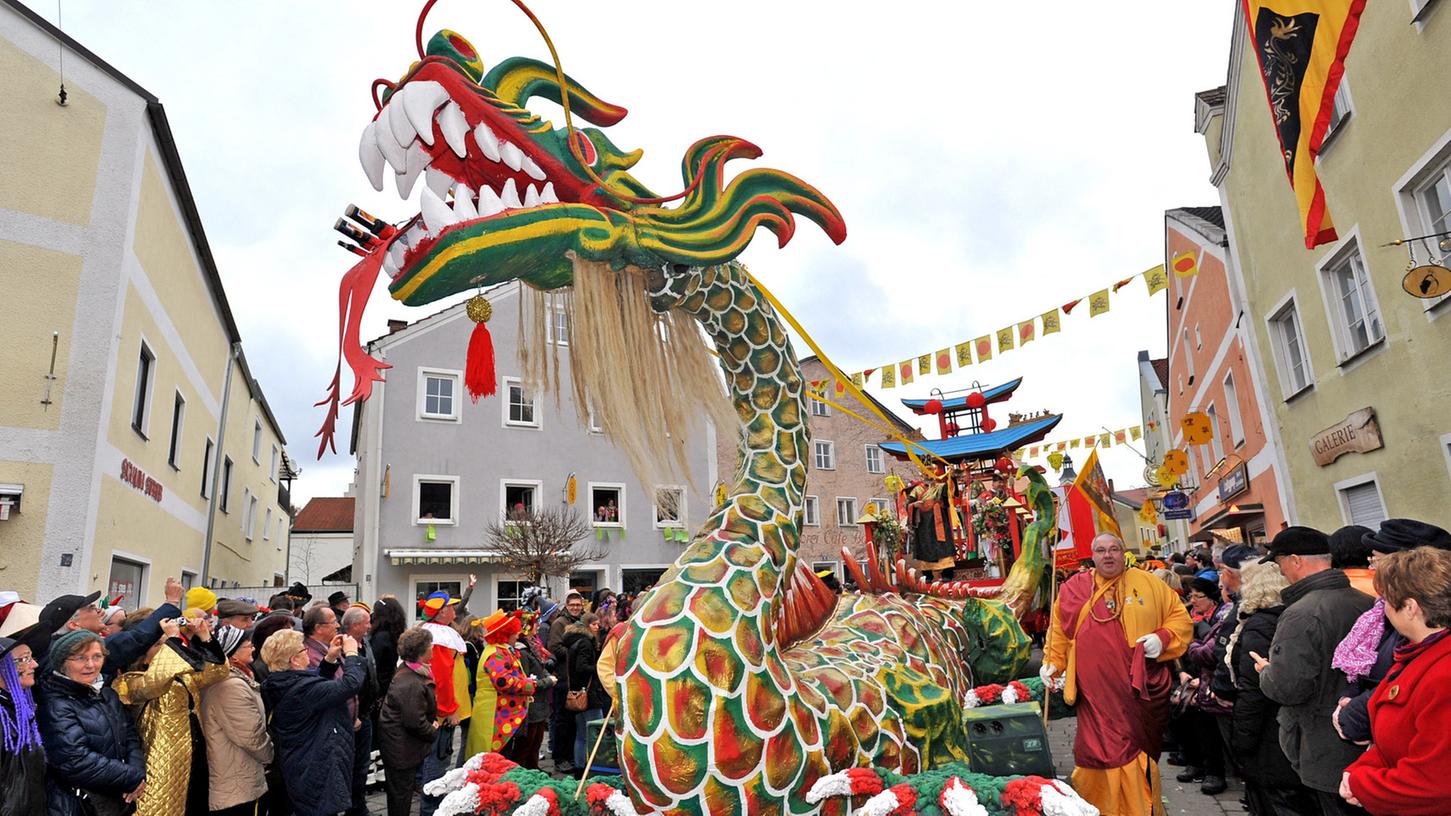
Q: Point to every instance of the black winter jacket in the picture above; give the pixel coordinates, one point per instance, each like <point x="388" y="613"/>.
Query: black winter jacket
<point x="1255" y="736"/>
<point x="408" y="718"/>
<point x="384" y="647"/>
<point x="1319" y="611"/>
<point x="583" y="654"/>
<point x="22" y="775"/>
<point x="90" y="743"/>
<point x="1355" y="717"/>
<point x="313" y="735"/>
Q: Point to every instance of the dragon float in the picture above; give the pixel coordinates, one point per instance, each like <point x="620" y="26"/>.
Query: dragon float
<point x="743" y="681"/>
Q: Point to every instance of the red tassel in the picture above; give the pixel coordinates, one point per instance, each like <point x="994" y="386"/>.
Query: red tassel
<point x="479" y="368"/>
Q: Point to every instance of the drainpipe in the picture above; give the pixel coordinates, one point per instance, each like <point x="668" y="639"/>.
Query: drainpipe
<point x="217" y="465"/>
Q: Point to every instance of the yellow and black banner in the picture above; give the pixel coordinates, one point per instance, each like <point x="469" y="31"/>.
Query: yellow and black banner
<point x="1301" y="47"/>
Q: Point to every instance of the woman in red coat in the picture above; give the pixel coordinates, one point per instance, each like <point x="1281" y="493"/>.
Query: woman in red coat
<point x="1407" y="769"/>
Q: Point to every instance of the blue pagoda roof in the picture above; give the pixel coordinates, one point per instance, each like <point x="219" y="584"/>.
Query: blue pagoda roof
<point x="981" y="445"/>
<point x="995" y="394"/>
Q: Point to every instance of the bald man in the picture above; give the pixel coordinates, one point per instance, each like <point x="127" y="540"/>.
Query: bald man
<point x="1113" y="635"/>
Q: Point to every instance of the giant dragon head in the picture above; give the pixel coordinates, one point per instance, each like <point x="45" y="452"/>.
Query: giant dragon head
<point x="507" y="196"/>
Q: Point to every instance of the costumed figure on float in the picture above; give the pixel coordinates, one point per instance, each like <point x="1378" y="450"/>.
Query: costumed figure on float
<point x="745" y="686"/>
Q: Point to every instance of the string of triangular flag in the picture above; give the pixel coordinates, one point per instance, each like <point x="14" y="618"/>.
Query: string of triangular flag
<point x="1017" y="334"/>
<point x="1103" y="439"/>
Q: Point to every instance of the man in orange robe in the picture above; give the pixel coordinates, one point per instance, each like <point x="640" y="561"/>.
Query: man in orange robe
<point x="1114" y="632"/>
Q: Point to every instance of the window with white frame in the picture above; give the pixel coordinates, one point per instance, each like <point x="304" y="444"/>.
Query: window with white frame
<point x="1198" y="339"/>
<point x="607" y="504"/>
<point x="1361" y="502"/>
<point x="821" y="566"/>
<point x="1433" y="203"/>
<point x="276" y="463"/>
<point x="281" y="528"/>
<point x="422" y="589"/>
<point x="669" y="507"/>
<point x="811" y="512"/>
<point x="509" y="593"/>
<point x="519" y="408"/>
<point x="519" y="498"/>
<point x="178" y="417"/>
<point x="1231" y="407"/>
<point x="1419" y="8"/>
<point x="257" y="441"/>
<point x="207" y="454"/>
<point x="846" y="514"/>
<point x="1354" y="312"/>
<point x="141" y="400"/>
<point x="878" y="506"/>
<point x="226" y="482"/>
<point x="267" y="525"/>
<point x="438" y="394"/>
<point x="435" y="499"/>
<point x="1216" y="445"/>
<point x="875" y="461"/>
<point x="1188" y="357"/>
<point x="1340" y="111"/>
<point x="818" y="408"/>
<point x="558" y="329"/>
<point x="1288" y="340"/>
<point x="593" y="419"/>
<point x="824" y="454"/>
<point x="249" y="513"/>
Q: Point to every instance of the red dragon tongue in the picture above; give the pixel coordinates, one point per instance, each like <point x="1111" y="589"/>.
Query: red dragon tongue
<point x="353" y="292"/>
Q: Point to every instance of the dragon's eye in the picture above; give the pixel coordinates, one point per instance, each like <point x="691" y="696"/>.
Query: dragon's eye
<point x="586" y="149"/>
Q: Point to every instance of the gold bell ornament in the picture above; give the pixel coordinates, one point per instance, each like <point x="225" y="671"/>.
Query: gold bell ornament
<point x="479" y="376"/>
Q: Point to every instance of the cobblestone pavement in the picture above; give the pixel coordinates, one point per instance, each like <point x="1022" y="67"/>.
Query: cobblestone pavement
<point x="1179" y="799"/>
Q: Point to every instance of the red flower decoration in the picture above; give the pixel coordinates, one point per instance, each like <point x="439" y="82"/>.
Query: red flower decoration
<point x="497" y="798"/>
<point x="596" y="795"/>
<point x="864" y="781"/>
<point x="990" y="693"/>
<point x="1022" y="691"/>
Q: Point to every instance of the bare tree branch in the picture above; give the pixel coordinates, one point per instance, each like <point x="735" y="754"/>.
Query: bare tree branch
<point x="541" y="543"/>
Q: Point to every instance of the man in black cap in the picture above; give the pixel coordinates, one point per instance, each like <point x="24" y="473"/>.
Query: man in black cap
<point x="1352" y="718"/>
<point x="1320" y="608"/>
<point x="125" y="647"/>
<point x="338" y="601"/>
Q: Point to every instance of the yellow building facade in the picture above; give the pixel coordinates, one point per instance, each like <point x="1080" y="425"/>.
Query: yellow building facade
<point x="1356" y="370"/>
<point x="130" y="423"/>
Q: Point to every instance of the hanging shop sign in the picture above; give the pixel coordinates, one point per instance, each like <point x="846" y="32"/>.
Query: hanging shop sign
<point x="1176" y="505"/>
<point x="1429" y="281"/>
<point x="1357" y="433"/>
<point x="1235" y="482"/>
<point x="137" y="478"/>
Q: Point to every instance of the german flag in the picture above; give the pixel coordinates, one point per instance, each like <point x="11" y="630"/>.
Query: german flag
<point x="1301" y="47"/>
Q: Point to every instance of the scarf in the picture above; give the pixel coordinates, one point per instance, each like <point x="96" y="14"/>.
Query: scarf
<point x="1406" y="652"/>
<point x="1357" y="652"/>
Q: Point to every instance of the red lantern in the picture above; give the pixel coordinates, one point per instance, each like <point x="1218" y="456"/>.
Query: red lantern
<point x="976" y="400"/>
<point x="933" y="406"/>
<point x="953" y="429"/>
<point x="988" y="425"/>
<point x="1004" y="465"/>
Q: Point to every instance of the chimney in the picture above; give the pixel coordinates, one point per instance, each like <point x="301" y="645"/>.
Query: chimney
<point x="395" y="326"/>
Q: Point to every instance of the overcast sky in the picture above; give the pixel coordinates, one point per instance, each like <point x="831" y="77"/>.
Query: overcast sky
<point x="991" y="160"/>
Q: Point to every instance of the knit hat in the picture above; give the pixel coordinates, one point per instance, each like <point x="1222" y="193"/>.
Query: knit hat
<point x="63" y="646"/>
<point x="1407" y="534"/>
<point x="200" y="598"/>
<point x="230" y="638"/>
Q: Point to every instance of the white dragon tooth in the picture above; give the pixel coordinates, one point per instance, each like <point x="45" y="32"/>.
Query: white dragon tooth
<point x="396" y="251"/>
<point x="417" y="160"/>
<point x="389" y="266"/>
<point x="547" y="195"/>
<point x="436" y="214"/>
<point x="437" y="181"/>
<point x="398" y="124"/>
<point x="488" y="142"/>
<point x="396" y="154"/>
<point x="531" y="196"/>
<point x="511" y="155"/>
<point x="489" y="202"/>
<point x="510" y="195"/>
<point x="420" y="100"/>
<point x="455" y="128"/>
<point x="371" y="157"/>
<point x="533" y="169"/>
<point x="463" y="204"/>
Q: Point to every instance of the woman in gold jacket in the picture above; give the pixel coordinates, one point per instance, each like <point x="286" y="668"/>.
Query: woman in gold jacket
<point x="164" y="691"/>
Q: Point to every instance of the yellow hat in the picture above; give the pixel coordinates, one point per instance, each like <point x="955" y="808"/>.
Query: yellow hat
<point x="200" y="598"/>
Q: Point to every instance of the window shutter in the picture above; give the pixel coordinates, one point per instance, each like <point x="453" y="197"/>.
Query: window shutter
<point x="1363" y="501"/>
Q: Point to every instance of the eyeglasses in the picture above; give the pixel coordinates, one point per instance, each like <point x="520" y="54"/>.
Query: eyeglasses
<point x="25" y="661"/>
<point x="1197" y="596"/>
<point x="96" y="658"/>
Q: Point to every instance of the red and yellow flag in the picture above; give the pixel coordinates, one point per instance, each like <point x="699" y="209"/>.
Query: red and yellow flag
<point x="1025" y="332"/>
<point x="1301" y="47"/>
<point x="904" y="371"/>
<point x="984" y="346"/>
<point x="944" y="361"/>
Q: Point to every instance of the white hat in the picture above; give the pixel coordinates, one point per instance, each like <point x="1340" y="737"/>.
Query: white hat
<point x="21" y="615"/>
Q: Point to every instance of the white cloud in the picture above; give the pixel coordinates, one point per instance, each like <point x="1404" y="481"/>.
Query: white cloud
<point x="991" y="161"/>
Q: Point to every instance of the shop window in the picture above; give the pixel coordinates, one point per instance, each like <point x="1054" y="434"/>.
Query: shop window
<point x="128" y="579"/>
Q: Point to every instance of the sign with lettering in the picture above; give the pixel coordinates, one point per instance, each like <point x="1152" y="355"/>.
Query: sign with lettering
<point x="137" y="478"/>
<point x="1357" y="433"/>
<point x="1233" y="483"/>
<point x="1176" y="500"/>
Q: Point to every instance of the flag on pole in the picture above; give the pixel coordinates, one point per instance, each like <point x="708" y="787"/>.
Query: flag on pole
<point x="964" y="354"/>
<point x="1301" y="47"/>
<point x="1025" y="331"/>
<point x="1185" y="264"/>
<point x="1098" y="303"/>
<point x="1005" y="339"/>
<point x="1156" y="279"/>
<point x="944" y="361"/>
<point x="984" y="347"/>
<point x="904" y="371"/>
<point x="1050" y="322"/>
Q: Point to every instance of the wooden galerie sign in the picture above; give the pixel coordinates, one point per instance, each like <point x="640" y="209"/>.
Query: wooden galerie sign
<point x="1357" y="433"/>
